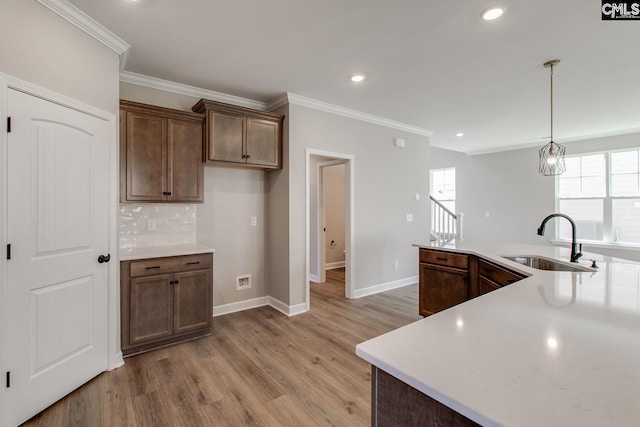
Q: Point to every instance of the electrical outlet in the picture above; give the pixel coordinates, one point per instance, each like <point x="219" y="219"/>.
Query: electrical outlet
<point x="254" y="221"/>
<point x="243" y="282"/>
<point x="396" y="265"/>
<point x="151" y="224"/>
<point x="409" y="217"/>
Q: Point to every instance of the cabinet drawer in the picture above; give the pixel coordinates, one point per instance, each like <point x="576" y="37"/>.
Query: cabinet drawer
<point x="154" y="266"/>
<point x="448" y="259"/>
<point x="499" y="275"/>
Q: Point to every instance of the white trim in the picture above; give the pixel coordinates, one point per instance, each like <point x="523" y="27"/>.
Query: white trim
<point x="182" y="89"/>
<point x="277" y="102"/>
<point x="288" y="310"/>
<point x="354" y="114"/>
<point x="383" y="287"/>
<point x="90" y="26"/>
<point x="594" y="244"/>
<point x="314" y="278"/>
<point x="234" y="307"/>
<point x="334" y="265"/>
<point x="577" y="138"/>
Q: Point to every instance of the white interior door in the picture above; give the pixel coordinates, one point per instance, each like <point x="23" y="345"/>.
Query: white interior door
<point x="58" y="218"/>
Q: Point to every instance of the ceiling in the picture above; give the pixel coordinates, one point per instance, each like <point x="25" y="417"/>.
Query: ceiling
<point x="432" y="64"/>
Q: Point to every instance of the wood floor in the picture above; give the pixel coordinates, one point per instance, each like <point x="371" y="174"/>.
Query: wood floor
<point x="258" y="368"/>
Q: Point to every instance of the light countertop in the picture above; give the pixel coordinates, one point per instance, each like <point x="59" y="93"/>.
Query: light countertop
<point x="163" y="251"/>
<point x="553" y="349"/>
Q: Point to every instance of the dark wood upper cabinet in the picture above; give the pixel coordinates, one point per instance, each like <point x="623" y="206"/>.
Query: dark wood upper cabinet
<point x="237" y="136"/>
<point x="160" y="154"/>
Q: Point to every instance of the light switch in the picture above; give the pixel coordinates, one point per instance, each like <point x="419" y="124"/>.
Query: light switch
<point x="416" y="196"/>
<point x="409" y="217"/>
<point x="254" y="221"/>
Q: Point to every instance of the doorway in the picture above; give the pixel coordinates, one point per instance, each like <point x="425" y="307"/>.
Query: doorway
<point x="317" y="231"/>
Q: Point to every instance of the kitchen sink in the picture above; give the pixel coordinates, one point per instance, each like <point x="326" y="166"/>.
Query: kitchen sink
<point x="550" y="264"/>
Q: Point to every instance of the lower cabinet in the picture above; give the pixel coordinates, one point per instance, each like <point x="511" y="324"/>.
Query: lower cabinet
<point x="444" y="281"/>
<point x="165" y="301"/>
<point x="448" y="279"/>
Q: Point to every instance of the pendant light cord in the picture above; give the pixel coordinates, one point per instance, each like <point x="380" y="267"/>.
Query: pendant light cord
<point x="551" y="97"/>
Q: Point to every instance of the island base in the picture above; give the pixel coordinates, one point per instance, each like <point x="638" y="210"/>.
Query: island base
<point x="395" y="403"/>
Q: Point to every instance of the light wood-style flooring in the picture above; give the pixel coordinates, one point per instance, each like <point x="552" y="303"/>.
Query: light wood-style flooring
<point x="258" y="368"/>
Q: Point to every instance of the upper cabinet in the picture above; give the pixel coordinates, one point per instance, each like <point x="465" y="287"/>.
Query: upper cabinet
<point x="160" y="154"/>
<point x="237" y="136"/>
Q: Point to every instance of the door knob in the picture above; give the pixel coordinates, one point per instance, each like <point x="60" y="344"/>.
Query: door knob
<point x="103" y="258"/>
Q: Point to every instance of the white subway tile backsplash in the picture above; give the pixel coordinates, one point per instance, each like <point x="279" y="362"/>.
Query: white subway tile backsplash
<point x="143" y="225"/>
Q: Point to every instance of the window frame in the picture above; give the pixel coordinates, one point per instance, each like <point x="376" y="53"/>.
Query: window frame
<point x="607" y="202"/>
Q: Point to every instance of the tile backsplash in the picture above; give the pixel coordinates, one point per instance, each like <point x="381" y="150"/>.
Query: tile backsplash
<point x="150" y="224"/>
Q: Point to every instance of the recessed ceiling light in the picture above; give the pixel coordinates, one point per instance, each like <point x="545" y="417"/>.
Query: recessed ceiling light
<point x="459" y="134"/>
<point x="357" y="78"/>
<point x="492" y="13"/>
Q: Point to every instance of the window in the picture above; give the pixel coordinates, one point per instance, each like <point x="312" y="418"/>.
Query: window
<point x="601" y="192"/>
<point x="443" y="187"/>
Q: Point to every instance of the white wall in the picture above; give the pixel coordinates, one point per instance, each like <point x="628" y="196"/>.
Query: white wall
<point x="231" y="197"/>
<point x="517" y="197"/>
<point x="386" y="177"/>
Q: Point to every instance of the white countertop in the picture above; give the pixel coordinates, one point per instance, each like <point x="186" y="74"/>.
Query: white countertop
<point x="163" y="251"/>
<point x="554" y="349"/>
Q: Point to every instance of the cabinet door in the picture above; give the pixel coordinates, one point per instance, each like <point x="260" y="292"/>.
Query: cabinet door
<point x="192" y="301"/>
<point x="184" y="160"/>
<point x="145" y="157"/>
<point x="225" y="138"/>
<point x="151" y="309"/>
<point x="485" y="285"/>
<point x="441" y="288"/>
<point x="263" y="142"/>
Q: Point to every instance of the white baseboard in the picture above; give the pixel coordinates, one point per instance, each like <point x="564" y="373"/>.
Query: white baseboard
<point x="116" y="361"/>
<point x="288" y="310"/>
<point x="283" y="308"/>
<point x="383" y="287"/>
<point x="332" y="265"/>
<point x="314" y="278"/>
<point x="234" y="307"/>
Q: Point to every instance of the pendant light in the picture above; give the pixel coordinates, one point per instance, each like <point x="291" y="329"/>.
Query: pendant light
<point x="552" y="154"/>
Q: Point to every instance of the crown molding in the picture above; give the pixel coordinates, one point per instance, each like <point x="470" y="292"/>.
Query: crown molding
<point x="567" y="140"/>
<point x="90" y="26"/>
<point x="182" y="89"/>
<point x="354" y="114"/>
<point x="277" y="102"/>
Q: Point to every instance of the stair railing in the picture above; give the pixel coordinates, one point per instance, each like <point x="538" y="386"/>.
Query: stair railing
<point x="444" y="223"/>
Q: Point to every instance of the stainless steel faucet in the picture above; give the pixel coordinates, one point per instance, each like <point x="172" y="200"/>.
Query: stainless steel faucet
<point x="575" y="252"/>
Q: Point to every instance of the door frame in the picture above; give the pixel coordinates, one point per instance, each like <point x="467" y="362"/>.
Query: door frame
<point x="349" y="162"/>
<point x="321" y="235"/>
<point x="114" y="356"/>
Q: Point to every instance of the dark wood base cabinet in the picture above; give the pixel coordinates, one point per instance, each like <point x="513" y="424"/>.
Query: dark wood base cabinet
<point x="448" y="279"/>
<point x="165" y="301"/>
<point x="395" y="403"/>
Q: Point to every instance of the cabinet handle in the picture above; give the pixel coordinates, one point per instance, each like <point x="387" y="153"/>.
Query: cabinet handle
<point x="174" y="282"/>
<point x="166" y="193"/>
<point x="152" y="268"/>
<point x="193" y="263"/>
<point x="247" y="156"/>
<point x="441" y="259"/>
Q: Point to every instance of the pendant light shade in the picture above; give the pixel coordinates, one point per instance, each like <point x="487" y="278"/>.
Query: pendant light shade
<point x="552" y="154"/>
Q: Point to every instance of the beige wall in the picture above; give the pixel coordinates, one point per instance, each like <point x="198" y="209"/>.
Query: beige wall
<point x="517" y="197"/>
<point x="386" y="177"/>
<point x="231" y="197"/>
<point x="334" y="194"/>
<point x="42" y="48"/>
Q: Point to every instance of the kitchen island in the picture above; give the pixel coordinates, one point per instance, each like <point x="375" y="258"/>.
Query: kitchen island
<point x="554" y="349"/>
